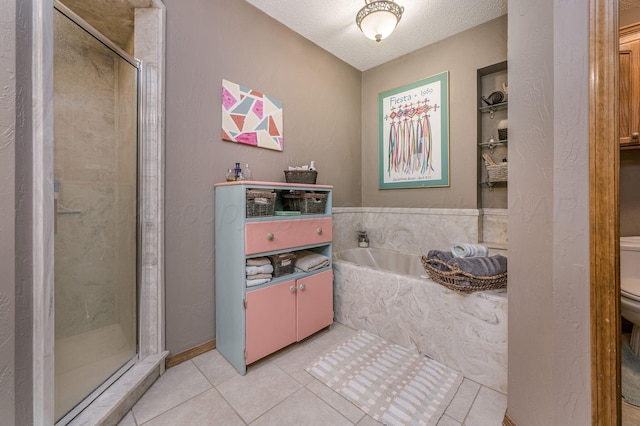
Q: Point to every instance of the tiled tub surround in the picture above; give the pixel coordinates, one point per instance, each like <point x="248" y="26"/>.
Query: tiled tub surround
<point x="389" y="297"/>
<point x="494" y="227"/>
<point x="404" y="229"/>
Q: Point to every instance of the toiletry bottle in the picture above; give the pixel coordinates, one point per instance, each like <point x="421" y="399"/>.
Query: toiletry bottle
<point x="247" y="172"/>
<point x="238" y="171"/>
<point x="363" y="240"/>
<point x="312" y="166"/>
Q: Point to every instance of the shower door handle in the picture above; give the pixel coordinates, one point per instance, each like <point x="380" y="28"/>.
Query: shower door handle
<point x="55" y="216"/>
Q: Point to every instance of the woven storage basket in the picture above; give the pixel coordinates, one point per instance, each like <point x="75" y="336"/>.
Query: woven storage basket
<point x="498" y="173"/>
<point x="305" y="202"/>
<point x="282" y="264"/>
<point x="301" y="176"/>
<point x="260" y="203"/>
<point x="455" y="279"/>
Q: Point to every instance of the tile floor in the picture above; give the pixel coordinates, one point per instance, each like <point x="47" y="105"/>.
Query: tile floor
<point x="278" y="391"/>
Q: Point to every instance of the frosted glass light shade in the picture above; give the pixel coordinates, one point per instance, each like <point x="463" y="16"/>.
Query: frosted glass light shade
<point x="378" y="19"/>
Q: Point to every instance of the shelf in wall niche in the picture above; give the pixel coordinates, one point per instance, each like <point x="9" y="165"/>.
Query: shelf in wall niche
<point x="494" y="108"/>
<point x="493" y="145"/>
<point x="492" y="184"/>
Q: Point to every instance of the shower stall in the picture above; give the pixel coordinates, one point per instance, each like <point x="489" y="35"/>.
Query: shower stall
<point x="96" y="224"/>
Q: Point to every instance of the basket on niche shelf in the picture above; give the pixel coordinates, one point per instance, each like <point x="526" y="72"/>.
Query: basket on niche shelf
<point x="305" y="202"/>
<point x="301" y="176"/>
<point x="452" y="277"/>
<point x="260" y="203"/>
<point x="498" y="172"/>
<point x="282" y="264"/>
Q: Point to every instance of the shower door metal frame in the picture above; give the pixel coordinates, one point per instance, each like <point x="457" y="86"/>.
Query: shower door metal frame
<point x="137" y="64"/>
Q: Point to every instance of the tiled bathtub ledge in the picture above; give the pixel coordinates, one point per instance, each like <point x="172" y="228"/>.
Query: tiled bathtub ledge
<point x="408" y="210"/>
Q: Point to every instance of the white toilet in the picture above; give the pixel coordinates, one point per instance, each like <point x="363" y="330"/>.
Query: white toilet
<point x="630" y="286"/>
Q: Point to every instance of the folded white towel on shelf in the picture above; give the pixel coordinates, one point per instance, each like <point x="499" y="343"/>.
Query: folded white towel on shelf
<point x="264" y="269"/>
<point x="318" y="266"/>
<point x="469" y="250"/>
<point x="251" y="283"/>
<point x="258" y="261"/>
<point x="258" y="276"/>
<point x="307" y="260"/>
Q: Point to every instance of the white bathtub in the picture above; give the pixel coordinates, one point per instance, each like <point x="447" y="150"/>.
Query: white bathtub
<point x="383" y="292"/>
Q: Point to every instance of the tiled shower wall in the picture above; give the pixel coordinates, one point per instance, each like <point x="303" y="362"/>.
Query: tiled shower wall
<point x="95" y="244"/>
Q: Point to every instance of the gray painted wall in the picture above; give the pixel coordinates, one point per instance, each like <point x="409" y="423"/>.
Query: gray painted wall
<point x="213" y="40"/>
<point x="7" y="210"/>
<point x="549" y="363"/>
<point x="461" y="55"/>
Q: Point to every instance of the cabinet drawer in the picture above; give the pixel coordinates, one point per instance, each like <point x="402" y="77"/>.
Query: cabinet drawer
<point x="282" y="234"/>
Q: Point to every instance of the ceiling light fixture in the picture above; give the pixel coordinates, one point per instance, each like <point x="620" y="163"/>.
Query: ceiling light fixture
<point x="378" y="18"/>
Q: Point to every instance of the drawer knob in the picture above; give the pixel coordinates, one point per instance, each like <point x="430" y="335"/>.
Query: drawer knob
<point x="292" y="289"/>
<point x="302" y="287"/>
<point x="319" y="230"/>
<point x="270" y="236"/>
<point x="634" y="135"/>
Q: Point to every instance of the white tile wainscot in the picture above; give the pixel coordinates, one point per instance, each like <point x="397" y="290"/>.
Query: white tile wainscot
<point x="494" y="227"/>
<point x="404" y="229"/>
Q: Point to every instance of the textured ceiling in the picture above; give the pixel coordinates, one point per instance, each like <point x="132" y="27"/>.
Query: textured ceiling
<point x="331" y="25"/>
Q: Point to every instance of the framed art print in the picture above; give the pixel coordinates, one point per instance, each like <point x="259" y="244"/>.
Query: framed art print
<point x="414" y="134"/>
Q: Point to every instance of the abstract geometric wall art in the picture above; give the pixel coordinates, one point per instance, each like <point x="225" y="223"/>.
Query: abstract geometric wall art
<point x="413" y="128"/>
<point x="250" y="117"/>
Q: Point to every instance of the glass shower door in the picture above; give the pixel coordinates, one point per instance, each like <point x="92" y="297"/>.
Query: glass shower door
<point x="95" y="192"/>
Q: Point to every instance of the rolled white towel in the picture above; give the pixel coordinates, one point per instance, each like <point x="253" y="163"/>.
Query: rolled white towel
<point x="264" y="269"/>
<point x="469" y="250"/>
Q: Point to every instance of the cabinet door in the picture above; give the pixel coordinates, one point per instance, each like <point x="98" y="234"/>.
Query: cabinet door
<point x="630" y="93"/>
<point x="315" y="303"/>
<point x="271" y="319"/>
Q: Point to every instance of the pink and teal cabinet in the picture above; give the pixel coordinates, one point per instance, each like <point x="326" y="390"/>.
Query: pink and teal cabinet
<point x="252" y="322"/>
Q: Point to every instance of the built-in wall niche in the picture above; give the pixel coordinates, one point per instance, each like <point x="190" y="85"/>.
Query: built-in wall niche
<point x="492" y="105"/>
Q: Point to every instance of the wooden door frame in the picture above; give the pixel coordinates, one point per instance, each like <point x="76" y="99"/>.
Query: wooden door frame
<point x="604" y="164"/>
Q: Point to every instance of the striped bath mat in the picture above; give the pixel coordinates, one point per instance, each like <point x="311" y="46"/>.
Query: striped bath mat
<point x="392" y="384"/>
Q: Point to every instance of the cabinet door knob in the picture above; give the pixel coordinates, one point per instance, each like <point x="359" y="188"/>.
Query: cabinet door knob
<point x="302" y="287"/>
<point x="635" y="135"/>
<point x="319" y="230"/>
<point x="292" y="289"/>
<point x="270" y="236"/>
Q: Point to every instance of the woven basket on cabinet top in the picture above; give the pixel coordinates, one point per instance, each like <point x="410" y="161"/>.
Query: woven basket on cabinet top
<point x="301" y="176"/>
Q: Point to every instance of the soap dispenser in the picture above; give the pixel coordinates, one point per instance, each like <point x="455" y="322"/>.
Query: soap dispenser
<point x="363" y="239"/>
